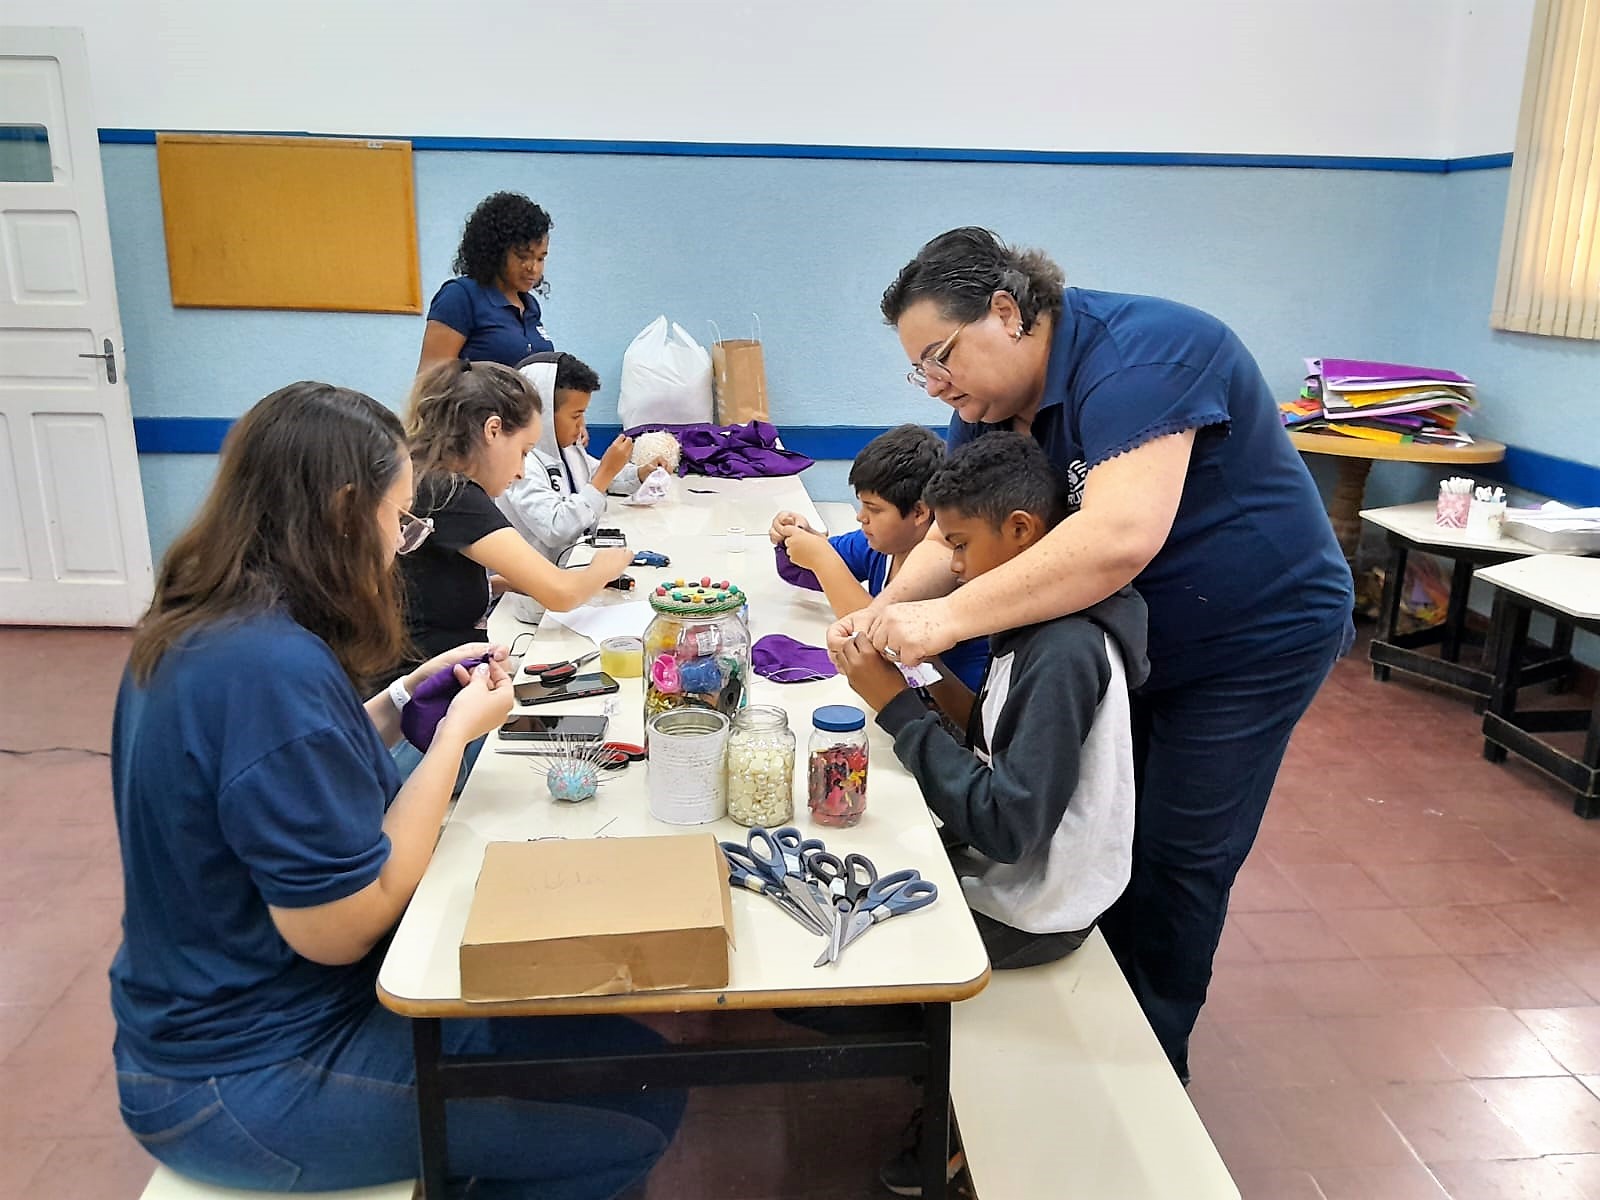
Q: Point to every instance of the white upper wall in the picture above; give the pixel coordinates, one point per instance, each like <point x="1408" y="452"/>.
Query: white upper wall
<point x="1422" y="78"/>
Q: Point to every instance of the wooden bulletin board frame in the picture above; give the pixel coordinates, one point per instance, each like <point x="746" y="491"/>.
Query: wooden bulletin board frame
<point x="319" y="223"/>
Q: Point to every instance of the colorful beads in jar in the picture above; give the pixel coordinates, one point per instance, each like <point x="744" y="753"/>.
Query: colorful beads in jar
<point x="761" y="767"/>
<point x="836" y="766"/>
<point x="696" y="648"/>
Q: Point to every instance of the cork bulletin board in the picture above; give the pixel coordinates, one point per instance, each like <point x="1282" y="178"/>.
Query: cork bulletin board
<point x="326" y="224"/>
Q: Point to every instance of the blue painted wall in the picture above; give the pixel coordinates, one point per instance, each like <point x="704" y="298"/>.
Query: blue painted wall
<point x="1299" y="261"/>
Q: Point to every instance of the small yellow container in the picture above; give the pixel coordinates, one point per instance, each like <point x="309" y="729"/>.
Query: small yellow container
<point x="622" y="657"/>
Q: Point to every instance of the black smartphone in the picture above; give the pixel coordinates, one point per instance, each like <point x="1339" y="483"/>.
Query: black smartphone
<point x="534" y="727"/>
<point x="576" y="688"/>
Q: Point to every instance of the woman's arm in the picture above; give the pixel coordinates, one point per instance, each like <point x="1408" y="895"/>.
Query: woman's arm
<point x="344" y="931"/>
<point x="440" y="343"/>
<point x="531" y="573"/>
<point x="1129" y="503"/>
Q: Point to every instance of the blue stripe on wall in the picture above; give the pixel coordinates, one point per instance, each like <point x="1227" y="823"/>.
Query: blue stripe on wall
<point x="1093" y="158"/>
<point x="203" y="435"/>
<point x="1566" y="480"/>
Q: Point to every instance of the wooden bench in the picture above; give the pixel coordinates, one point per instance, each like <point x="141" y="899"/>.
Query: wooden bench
<point x="169" y="1185"/>
<point x="1061" y="1089"/>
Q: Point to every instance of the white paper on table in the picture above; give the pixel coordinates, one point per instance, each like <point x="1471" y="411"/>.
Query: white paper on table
<point x="600" y="621"/>
<point x="921" y="675"/>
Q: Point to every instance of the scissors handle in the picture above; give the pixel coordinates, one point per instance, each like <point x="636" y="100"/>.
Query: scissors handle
<point x="827" y="870"/>
<point x="909" y="896"/>
<point x="766" y="852"/>
<point x="882" y="887"/>
<point x="860" y="873"/>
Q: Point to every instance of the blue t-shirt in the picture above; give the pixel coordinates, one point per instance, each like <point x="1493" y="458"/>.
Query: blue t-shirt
<point x="494" y="329"/>
<point x="1251" y="567"/>
<point x="966" y="660"/>
<point x="246" y="773"/>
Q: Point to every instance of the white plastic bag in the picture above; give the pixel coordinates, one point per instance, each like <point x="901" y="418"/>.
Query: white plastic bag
<point x="666" y="378"/>
<point x="655" y="488"/>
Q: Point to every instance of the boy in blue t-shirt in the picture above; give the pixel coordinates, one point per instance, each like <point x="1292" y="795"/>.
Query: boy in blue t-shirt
<point x="849" y="569"/>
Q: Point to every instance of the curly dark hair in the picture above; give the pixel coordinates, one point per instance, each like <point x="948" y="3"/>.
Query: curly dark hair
<point x="502" y="221"/>
<point x="962" y="269"/>
<point x="998" y="474"/>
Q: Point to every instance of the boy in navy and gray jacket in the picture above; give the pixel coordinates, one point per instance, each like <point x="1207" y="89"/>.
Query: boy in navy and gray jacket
<point x="1037" y="796"/>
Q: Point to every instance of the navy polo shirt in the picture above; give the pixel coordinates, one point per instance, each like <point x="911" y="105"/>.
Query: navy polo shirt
<point x="1251" y="568"/>
<point x="494" y="329"/>
<point x="246" y="773"/>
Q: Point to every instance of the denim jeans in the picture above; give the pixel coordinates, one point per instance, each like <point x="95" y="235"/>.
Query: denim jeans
<point x="345" y="1115"/>
<point x="1205" y="758"/>
<point x="406" y="757"/>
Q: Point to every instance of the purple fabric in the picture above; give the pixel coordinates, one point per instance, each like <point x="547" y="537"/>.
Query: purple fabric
<point x="790" y="573"/>
<point x="731" y="451"/>
<point x="429" y="703"/>
<point x="1341" y="372"/>
<point x="784" y="660"/>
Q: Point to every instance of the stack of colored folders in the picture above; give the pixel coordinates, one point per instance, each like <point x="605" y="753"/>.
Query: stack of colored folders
<point x="1382" y="402"/>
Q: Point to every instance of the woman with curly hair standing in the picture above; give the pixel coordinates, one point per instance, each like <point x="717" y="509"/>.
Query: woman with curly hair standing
<point x="488" y="313"/>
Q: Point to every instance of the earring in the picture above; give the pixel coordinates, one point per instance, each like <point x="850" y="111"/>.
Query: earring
<point x="1017" y="336"/>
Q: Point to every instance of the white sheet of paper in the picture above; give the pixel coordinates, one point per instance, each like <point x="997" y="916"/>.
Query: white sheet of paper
<point x="600" y="621"/>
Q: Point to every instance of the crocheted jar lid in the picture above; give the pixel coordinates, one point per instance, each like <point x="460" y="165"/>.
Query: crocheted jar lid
<point x="707" y="598"/>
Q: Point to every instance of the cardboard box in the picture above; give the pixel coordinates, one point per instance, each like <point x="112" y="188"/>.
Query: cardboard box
<point x="596" y="917"/>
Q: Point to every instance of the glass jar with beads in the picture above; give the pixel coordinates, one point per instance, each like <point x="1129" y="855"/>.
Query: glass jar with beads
<point x="696" y="648"/>
<point x="761" y="767"/>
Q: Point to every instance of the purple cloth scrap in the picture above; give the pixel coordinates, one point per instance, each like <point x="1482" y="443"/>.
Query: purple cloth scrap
<point x="784" y="660"/>
<point x="790" y="573"/>
<point x="429" y="703"/>
<point x="731" y="451"/>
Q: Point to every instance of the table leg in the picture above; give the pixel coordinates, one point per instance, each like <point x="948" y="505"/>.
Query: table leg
<point x="1389" y="606"/>
<point x="936" y="1100"/>
<point x="427" y="1044"/>
<point x="1344" y="508"/>
<point x="1510" y="638"/>
<point x="1455" y="619"/>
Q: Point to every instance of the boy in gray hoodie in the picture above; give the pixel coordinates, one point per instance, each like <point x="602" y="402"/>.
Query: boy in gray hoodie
<point x="1037" y="795"/>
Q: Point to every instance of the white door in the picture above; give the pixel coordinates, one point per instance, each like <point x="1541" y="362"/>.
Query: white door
<point x="74" y="549"/>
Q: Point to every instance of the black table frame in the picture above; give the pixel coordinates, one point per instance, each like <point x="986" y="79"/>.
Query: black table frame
<point x="918" y="1049"/>
<point x="1508" y="728"/>
<point x="1391" y="650"/>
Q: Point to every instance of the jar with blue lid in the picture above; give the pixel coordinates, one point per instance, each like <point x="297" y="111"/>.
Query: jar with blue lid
<point x="836" y="766"/>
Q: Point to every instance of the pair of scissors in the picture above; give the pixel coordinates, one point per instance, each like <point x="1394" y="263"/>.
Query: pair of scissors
<point x="844" y="882"/>
<point x="743" y="872"/>
<point x="887" y="896"/>
<point x="778" y="858"/>
<point x="550" y="674"/>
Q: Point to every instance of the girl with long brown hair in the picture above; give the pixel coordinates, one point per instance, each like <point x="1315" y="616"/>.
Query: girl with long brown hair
<point x="269" y="846"/>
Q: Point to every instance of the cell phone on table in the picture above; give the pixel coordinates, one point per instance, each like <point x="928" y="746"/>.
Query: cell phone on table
<point x="597" y="683"/>
<point x="538" y="727"/>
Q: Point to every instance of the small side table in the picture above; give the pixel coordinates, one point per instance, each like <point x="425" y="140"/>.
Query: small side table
<point x="1568" y="589"/>
<point x="1409" y="527"/>
<point x="1356" y="456"/>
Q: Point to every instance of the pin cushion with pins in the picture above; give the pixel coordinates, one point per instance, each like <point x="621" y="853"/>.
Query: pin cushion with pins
<point x="697" y="647"/>
<point x="572" y="768"/>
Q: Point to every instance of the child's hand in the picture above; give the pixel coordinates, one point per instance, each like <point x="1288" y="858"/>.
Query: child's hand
<point x="612" y="461"/>
<point x="658" y="463"/>
<point x="612" y="561"/>
<point x="784" y="526"/>
<point x="807" y="549"/>
<point x="871" y="676"/>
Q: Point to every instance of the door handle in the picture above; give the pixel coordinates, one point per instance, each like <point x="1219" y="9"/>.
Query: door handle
<point x="109" y="358"/>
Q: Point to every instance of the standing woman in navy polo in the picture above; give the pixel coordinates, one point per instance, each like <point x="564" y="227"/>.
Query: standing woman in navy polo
<point x="1187" y="488"/>
<point x="488" y="313"/>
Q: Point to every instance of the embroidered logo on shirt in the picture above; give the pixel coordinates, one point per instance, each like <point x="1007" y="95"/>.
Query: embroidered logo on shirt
<point x="1076" y="474"/>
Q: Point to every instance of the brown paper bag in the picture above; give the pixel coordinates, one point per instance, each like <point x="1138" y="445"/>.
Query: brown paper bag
<point x="739" y="378"/>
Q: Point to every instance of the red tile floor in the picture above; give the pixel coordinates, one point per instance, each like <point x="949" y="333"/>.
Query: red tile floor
<point x="1406" y="1003"/>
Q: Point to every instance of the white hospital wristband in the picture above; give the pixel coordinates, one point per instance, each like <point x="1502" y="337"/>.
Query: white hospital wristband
<point x="398" y="694"/>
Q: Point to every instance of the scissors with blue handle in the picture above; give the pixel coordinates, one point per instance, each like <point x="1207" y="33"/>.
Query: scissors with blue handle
<point x="744" y="871"/>
<point x="779" y="856"/>
<point x="895" y="893"/>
